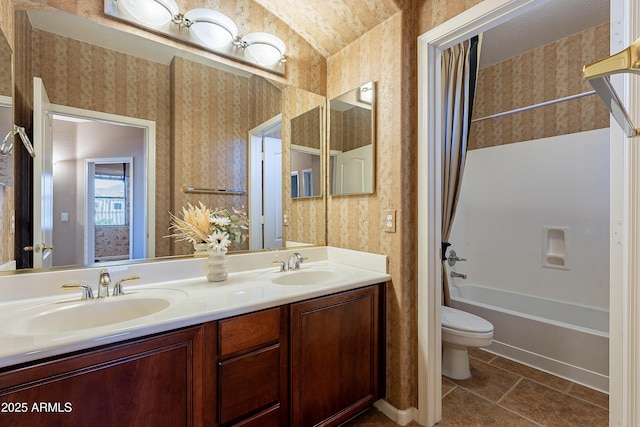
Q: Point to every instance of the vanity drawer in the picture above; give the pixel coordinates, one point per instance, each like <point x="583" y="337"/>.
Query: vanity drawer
<point x="248" y="383"/>
<point x="248" y="331"/>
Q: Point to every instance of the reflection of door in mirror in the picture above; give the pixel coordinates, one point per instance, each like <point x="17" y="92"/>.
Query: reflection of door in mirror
<point x="86" y="154"/>
<point x="265" y="188"/>
<point x="352" y="141"/>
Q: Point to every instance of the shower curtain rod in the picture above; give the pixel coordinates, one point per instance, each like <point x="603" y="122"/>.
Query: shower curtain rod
<point x="534" y="106"/>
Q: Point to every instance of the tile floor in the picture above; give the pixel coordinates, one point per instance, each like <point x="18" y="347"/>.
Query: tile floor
<point x="501" y="392"/>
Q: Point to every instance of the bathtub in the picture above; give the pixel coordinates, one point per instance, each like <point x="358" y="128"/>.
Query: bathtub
<point x="568" y="340"/>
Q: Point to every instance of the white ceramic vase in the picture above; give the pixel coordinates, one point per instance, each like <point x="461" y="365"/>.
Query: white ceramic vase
<point x="217" y="265"/>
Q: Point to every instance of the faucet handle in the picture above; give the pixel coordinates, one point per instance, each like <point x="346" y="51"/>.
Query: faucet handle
<point x="87" y="292"/>
<point x="117" y="288"/>
<point x="282" y="264"/>
<point x="453" y="258"/>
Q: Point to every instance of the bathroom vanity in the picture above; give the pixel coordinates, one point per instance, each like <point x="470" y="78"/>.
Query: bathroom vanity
<point x="316" y="358"/>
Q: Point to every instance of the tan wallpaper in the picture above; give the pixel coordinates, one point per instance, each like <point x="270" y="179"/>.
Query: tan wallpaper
<point x="212" y="113"/>
<point x="80" y="75"/>
<point x="6" y="193"/>
<point x="306" y="215"/>
<point x="112" y="241"/>
<point x="550" y="72"/>
<point x="350" y="129"/>
<point x="306" y="128"/>
<point x="248" y="15"/>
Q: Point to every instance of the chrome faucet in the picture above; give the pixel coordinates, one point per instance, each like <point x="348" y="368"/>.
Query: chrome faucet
<point x="117" y="288"/>
<point x="103" y="284"/>
<point x="460" y="275"/>
<point x="295" y="259"/>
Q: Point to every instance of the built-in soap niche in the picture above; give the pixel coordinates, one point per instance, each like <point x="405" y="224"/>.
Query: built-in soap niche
<point x="556" y="247"/>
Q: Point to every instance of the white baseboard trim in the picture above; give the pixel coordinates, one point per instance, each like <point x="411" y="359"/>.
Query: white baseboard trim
<point x="400" y="417"/>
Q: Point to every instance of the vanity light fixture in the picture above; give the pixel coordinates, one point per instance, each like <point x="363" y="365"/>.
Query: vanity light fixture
<point x="211" y="27"/>
<point x="597" y="73"/>
<point x="155" y="13"/>
<point x="205" y="28"/>
<point x="265" y="48"/>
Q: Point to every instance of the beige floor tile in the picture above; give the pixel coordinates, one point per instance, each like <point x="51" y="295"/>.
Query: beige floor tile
<point x="461" y="408"/>
<point x="478" y="353"/>
<point x="550" y="407"/>
<point x="534" y="374"/>
<point x="447" y="386"/>
<point x="488" y="381"/>
<point x="590" y="395"/>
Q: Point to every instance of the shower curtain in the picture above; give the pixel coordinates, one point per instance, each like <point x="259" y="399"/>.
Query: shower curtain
<point x="459" y="75"/>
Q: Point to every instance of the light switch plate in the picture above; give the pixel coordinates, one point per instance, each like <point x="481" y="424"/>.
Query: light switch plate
<point x="389" y="220"/>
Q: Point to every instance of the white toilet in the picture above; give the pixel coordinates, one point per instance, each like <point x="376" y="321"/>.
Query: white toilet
<point x="460" y="331"/>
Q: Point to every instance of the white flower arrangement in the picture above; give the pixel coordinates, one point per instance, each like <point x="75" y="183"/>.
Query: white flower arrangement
<point x="218" y="228"/>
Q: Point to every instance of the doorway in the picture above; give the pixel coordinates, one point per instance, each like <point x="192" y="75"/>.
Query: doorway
<point x="265" y="185"/>
<point x="89" y="149"/>
<point x="430" y="45"/>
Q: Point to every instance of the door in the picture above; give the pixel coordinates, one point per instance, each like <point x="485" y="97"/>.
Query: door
<point x="42" y="177"/>
<point x="272" y="192"/>
<point x="353" y="171"/>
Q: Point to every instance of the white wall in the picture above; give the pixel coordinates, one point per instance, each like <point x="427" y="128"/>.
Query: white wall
<point x="510" y="192"/>
<point x="73" y="143"/>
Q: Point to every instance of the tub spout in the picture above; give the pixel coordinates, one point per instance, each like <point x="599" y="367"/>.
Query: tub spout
<point x="460" y="275"/>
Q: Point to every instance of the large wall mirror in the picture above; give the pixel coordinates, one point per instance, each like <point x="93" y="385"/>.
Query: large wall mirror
<point x="307" y="135"/>
<point x="200" y="114"/>
<point x="6" y="112"/>
<point x="352" y="141"/>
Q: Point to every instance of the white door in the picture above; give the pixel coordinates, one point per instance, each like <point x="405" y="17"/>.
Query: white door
<point x="272" y="192"/>
<point x="42" y="177"/>
<point x="354" y="171"/>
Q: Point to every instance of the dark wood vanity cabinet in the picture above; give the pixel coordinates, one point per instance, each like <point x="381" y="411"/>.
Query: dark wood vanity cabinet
<point x="246" y="368"/>
<point x="146" y="382"/>
<point x="316" y="362"/>
<point x="336" y="356"/>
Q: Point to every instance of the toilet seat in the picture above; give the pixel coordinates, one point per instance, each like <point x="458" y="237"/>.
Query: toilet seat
<point x="461" y="321"/>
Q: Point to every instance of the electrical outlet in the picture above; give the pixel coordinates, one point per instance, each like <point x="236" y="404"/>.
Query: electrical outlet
<point x="389" y="220"/>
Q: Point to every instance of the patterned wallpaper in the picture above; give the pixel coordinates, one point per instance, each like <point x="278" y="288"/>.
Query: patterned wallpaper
<point x="547" y="73"/>
<point x="306" y="129"/>
<point x="306" y="215"/>
<point x="112" y="241"/>
<point x="213" y="112"/>
<point x="350" y="129"/>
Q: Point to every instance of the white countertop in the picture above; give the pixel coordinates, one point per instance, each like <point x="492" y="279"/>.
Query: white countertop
<point x="180" y="283"/>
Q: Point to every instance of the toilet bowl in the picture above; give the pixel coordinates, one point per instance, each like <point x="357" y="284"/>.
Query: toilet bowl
<point x="461" y="331"/>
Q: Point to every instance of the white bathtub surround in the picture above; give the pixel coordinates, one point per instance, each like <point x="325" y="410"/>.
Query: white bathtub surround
<point x="252" y="285"/>
<point x="567" y="340"/>
<point x="533" y="218"/>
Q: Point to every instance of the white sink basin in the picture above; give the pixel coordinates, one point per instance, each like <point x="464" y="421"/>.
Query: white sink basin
<point x="61" y="317"/>
<point x="307" y="277"/>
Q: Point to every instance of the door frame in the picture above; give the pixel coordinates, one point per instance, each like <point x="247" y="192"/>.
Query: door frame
<point x="89" y="197"/>
<point x="149" y="195"/>
<point x="624" y="345"/>
<point x="254" y="201"/>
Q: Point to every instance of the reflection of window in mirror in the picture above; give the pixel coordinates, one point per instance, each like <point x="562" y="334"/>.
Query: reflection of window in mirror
<point x="294" y="185"/>
<point x="352" y="141"/>
<point x="307" y="182"/>
<point x="110" y="199"/>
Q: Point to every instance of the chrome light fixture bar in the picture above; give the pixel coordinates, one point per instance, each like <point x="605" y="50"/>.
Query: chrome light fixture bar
<point x="597" y="73"/>
<point x="204" y="28"/>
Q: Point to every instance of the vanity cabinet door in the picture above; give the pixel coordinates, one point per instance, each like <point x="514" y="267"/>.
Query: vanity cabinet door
<point x="144" y="382"/>
<point x="335" y="356"/>
<point x="246" y="370"/>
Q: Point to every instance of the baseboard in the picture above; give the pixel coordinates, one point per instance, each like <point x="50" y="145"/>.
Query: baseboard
<point x="400" y="417"/>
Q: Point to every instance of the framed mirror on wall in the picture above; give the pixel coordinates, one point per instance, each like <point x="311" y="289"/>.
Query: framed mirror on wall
<point x="306" y="154"/>
<point x="217" y="116"/>
<point x="352" y="141"/>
